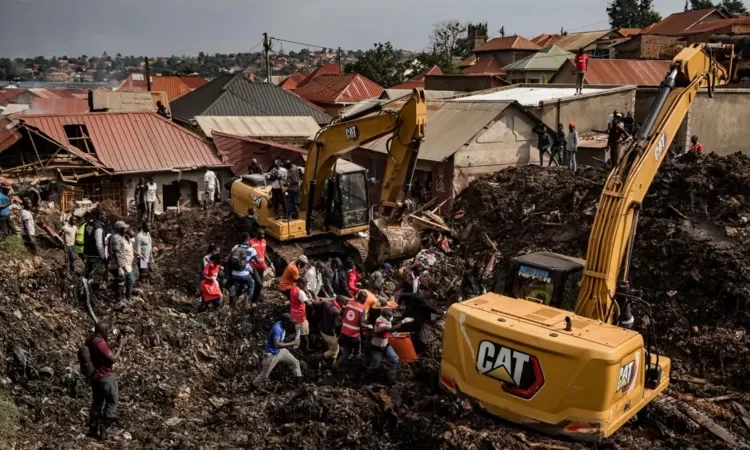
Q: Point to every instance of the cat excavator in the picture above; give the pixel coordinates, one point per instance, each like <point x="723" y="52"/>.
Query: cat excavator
<point x="335" y="211"/>
<point x="556" y="351"/>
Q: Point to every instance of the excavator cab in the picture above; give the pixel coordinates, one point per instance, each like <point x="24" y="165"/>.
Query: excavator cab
<point x="346" y="198"/>
<point x="543" y="277"/>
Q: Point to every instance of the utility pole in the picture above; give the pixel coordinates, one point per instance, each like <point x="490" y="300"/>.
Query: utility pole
<point x="341" y="68"/>
<point x="267" y="48"/>
<point x="148" y="75"/>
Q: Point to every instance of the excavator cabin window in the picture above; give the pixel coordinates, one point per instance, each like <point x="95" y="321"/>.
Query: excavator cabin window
<point x="350" y="202"/>
<point x="533" y="284"/>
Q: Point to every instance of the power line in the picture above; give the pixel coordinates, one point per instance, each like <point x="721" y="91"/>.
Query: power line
<point x="255" y="46"/>
<point x="299" y="43"/>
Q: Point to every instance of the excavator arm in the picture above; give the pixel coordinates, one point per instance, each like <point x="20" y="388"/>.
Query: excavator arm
<point x="612" y="237"/>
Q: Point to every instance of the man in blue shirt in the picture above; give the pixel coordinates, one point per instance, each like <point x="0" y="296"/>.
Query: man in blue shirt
<point x="276" y="352"/>
<point x="242" y="277"/>
<point x="6" y="222"/>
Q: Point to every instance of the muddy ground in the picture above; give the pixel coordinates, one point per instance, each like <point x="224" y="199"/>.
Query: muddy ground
<point x="185" y="378"/>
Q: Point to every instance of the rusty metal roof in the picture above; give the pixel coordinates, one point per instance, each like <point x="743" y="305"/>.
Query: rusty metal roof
<point x="712" y="25"/>
<point x="293" y="80"/>
<point x="631" y="72"/>
<point x="627" y="32"/>
<point x="573" y="41"/>
<point x="238" y="152"/>
<point x="134" y="141"/>
<point x="678" y="23"/>
<point x="507" y="43"/>
<point x="9" y="134"/>
<point x="544" y="40"/>
<point x="194" y="82"/>
<point x="175" y="87"/>
<point x="8" y="94"/>
<point x="343" y="88"/>
<point x="325" y="69"/>
<point x="486" y="65"/>
<point x="260" y="126"/>
<point x="117" y="101"/>
<point x="57" y="106"/>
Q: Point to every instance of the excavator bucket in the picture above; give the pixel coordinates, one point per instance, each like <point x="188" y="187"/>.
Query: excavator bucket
<point x="391" y="242"/>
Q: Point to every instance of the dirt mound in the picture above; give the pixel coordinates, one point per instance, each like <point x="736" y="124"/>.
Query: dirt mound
<point x="691" y="260"/>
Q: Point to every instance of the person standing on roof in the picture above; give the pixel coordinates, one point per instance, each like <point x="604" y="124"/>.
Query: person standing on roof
<point x="572" y="146"/>
<point x="291" y="274"/>
<point x="69" y="231"/>
<point x="258" y="244"/>
<point x="277" y="176"/>
<point x="255" y="168"/>
<point x="293" y="182"/>
<point x="28" y="227"/>
<point x="151" y="199"/>
<point x="695" y="146"/>
<point x="276" y="351"/>
<point x="544" y="142"/>
<point x="140" y="198"/>
<point x="211" y="184"/>
<point x="582" y="65"/>
<point x="93" y="250"/>
<point x="103" y="412"/>
<point x="117" y="262"/>
<point x="617" y="135"/>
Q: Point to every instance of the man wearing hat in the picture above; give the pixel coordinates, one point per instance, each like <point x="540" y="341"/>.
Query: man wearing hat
<point x="117" y="262"/>
<point x="6" y="199"/>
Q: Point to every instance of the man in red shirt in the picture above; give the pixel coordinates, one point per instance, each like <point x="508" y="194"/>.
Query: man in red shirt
<point x="259" y="265"/>
<point x="103" y="412"/>
<point x="696" y="146"/>
<point x="298" y="301"/>
<point x="582" y="64"/>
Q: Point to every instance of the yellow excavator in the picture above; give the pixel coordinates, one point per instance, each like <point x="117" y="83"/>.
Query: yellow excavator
<point x="335" y="204"/>
<point x="556" y="352"/>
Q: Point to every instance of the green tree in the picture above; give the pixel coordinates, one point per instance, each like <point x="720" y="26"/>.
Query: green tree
<point x="99" y="76"/>
<point x="736" y="7"/>
<point x="381" y="64"/>
<point x="426" y="60"/>
<point x="632" y="13"/>
<point x="700" y="4"/>
<point x="449" y="37"/>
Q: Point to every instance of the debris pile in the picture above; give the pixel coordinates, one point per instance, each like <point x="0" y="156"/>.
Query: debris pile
<point x="186" y="378"/>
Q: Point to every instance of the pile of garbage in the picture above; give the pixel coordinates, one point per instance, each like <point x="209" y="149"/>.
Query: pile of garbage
<point x="186" y="378"/>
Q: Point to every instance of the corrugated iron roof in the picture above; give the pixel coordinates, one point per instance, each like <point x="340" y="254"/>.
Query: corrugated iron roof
<point x="57" y="106"/>
<point x="507" y="43"/>
<point x="627" y="32"/>
<point x="9" y="94"/>
<point x="430" y="95"/>
<point x="712" y="25"/>
<point x="9" y="134"/>
<point x="468" y="61"/>
<point x="293" y="80"/>
<point x="544" y="40"/>
<point x="194" y="82"/>
<point x="573" y="41"/>
<point x="325" y="69"/>
<point x="238" y="152"/>
<point x="133" y="142"/>
<point x="678" y="23"/>
<point x="175" y="87"/>
<point x="486" y="65"/>
<point x="450" y="125"/>
<point x="259" y="126"/>
<point x="547" y="59"/>
<point x="529" y="96"/>
<point x="343" y="88"/>
<point x="418" y="81"/>
<point x="632" y="72"/>
<point x="234" y="95"/>
<point x="13" y="108"/>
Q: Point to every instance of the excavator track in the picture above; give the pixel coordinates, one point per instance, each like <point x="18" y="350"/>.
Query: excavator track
<point x="318" y="247"/>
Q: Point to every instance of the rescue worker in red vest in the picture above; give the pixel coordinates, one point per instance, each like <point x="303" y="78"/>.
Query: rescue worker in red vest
<point x="582" y="64"/>
<point x="258" y="243"/>
<point x="354" y="319"/>
<point x="381" y="346"/>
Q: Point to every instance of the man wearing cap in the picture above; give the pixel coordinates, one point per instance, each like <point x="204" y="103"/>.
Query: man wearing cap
<point x="291" y="274"/>
<point x="276" y="351"/>
<point x="117" y="262"/>
<point x="6" y="222"/>
<point x="572" y="146"/>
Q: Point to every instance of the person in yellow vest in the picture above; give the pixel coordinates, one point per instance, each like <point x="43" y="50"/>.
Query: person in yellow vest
<point x="79" y="236"/>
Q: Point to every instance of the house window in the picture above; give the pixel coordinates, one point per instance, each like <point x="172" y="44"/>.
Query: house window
<point x="78" y="136"/>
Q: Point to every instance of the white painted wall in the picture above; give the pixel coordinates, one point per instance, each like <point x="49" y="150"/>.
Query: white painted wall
<point x="166" y="178"/>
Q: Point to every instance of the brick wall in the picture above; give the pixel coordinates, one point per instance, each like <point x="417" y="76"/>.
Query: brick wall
<point x="659" y="47"/>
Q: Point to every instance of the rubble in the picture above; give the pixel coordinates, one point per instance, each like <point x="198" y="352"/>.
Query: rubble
<point x="186" y="378"/>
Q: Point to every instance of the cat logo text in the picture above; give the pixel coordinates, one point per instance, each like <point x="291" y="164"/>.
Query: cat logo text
<point x="520" y="374"/>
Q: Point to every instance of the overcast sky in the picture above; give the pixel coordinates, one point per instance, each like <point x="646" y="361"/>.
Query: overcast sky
<point x="166" y="27"/>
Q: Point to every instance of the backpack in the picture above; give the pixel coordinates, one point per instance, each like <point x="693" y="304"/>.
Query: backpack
<point x="84" y="359"/>
<point x="238" y="258"/>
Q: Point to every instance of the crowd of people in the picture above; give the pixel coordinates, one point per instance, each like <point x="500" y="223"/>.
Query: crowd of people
<point x="557" y="144"/>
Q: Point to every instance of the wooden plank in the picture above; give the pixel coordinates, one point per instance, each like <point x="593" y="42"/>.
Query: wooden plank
<point x="716" y="429"/>
<point x="744" y="416"/>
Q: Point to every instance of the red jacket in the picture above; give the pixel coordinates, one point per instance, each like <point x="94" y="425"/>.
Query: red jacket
<point x="260" y="248"/>
<point x="697" y="148"/>
<point x="352" y="279"/>
<point x="582" y="62"/>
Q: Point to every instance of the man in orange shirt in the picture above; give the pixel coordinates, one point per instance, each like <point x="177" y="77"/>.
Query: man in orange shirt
<point x="259" y="265"/>
<point x="291" y="274"/>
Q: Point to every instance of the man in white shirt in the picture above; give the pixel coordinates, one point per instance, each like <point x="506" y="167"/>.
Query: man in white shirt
<point x="314" y="278"/>
<point x="151" y="199"/>
<point x="211" y="182"/>
<point x="28" y="228"/>
<point x="69" y="231"/>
